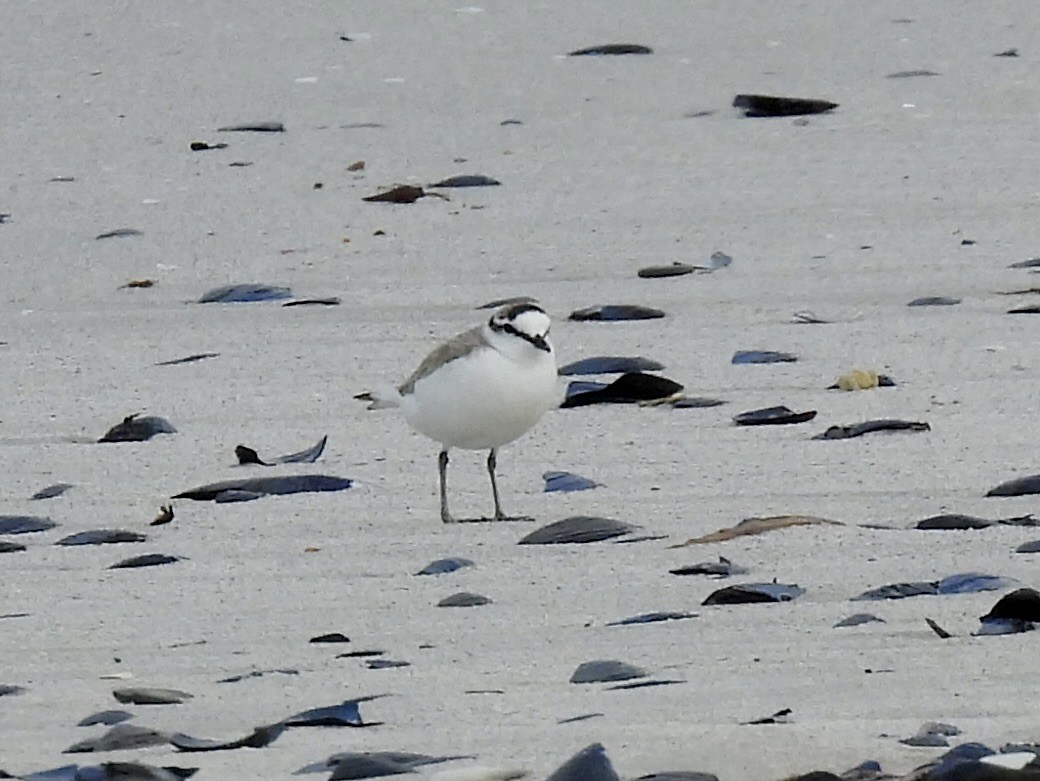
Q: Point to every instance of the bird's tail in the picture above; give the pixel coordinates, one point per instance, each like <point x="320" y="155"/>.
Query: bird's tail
<point x="384" y="396"/>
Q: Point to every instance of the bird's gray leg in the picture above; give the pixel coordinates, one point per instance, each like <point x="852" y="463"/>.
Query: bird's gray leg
<point x="442" y="465"/>
<point x="491" y="463"/>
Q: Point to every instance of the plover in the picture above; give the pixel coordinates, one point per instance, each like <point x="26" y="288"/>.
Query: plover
<point x="481" y="390"/>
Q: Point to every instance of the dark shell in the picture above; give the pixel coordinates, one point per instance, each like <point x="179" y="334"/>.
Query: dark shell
<point x="101" y="537"/>
<point x="405" y="193"/>
<point x="1020" y="486"/>
<point x="348" y="765"/>
<point x="253" y="127"/>
<point x="329" y="301"/>
<point x="653" y="618"/>
<point x="972" y="583"/>
<point x="870" y="426"/>
<point x="589" y="764"/>
<point x="464" y="599"/>
<point x="1022" y="604"/>
<point x="566" y="482"/>
<point x="912" y="74"/>
<point x="24" y="524"/>
<point x="245" y="294"/>
<point x="106" y="717"/>
<point x="386" y="664"/>
<point x="361" y="766"/>
<point x="120" y="738"/>
<point x="119" y="233"/>
<point x="258" y="674"/>
<point x="246" y="455"/>
<point x="615" y="312"/>
<point x="606" y="671"/>
<point x="858" y="618"/>
<point x="287" y="484"/>
<point x="610" y="364"/>
<point x="582" y="717"/>
<point x="742" y="357"/>
<point x="330" y="637"/>
<point x="258" y="738"/>
<point x="696" y="402"/>
<point x="723" y="568"/>
<point x="467" y="180"/>
<point x="1033" y="546"/>
<point x="749" y="593"/>
<point x="51" y="491"/>
<point x="346" y="714"/>
<point x="899" y="591"/>
<point x="444" y="566"/>
<point x="611" y="48"/>
<point x="934" y="301"/>
<point x="960" y="583"/>
<point x="953" y="521"/>
<point x="228" y="497"/>
<point x="627" y="389"/>
<point x="645" y="684"/>
<point x="6" y="546"/>
<point x="578" y="529"/>
<point x="774" y="106"/>
<point x="772" y="416"/>
<point x="137" y="429"/>
<point x="145" y="560"/>
<point x="147" y="696"/>
<point x="657" y="272"/>
<point x="188" y="359"/>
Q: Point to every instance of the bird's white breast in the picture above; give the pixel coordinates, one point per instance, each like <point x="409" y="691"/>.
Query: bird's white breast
<point x="484" y="399"/>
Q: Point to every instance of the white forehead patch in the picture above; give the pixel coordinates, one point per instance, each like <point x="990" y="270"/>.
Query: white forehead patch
<point x="532" y="322"/>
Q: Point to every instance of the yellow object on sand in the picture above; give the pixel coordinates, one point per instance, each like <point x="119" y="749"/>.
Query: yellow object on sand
<point x="858" y="379"/>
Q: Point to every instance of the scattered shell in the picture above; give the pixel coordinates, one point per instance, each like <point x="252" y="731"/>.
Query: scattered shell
<point x="253" y="127"/>
<point x="444" y="566"/>
<point x="772" y="416"/>
<point x="749" y="593"/>
<point x="611" y="48"/>
<point x="245" y="293"/>
<point x="467" y="180"/>
<point x="774" y="106"/>
<point x="578" y="529"/>
<point x="762" y="356"/>
<point x="24" y="524"/>
<point x="870" y="426"/>
<point x="464" y="599"/>
<point x="615" y="312"/>
<point x="101" y="537"/>
<point x="606" y="671"/>
<point x="609" y="364"/>
<point x="146" y="696"/>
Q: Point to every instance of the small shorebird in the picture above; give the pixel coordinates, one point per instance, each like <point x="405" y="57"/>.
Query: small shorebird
<point x="481" y="390"/>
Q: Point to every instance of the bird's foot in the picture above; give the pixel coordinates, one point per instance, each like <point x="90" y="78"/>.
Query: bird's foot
<point x="511" y="518"/>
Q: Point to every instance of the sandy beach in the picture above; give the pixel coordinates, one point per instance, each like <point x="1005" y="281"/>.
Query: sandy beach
<point x="914" y="186"/>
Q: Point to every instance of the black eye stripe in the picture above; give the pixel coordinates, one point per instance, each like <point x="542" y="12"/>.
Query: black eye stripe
<point x="536" y="341"/>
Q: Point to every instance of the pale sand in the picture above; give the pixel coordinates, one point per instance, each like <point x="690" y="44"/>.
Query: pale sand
<point x="606" y="174"/>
